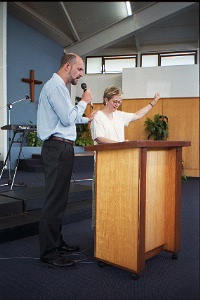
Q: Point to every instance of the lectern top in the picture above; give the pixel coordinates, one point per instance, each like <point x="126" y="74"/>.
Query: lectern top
<point x="138" y="144"/>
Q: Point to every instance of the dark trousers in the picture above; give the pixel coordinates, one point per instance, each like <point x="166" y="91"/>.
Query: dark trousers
<point x="58" y="159"/>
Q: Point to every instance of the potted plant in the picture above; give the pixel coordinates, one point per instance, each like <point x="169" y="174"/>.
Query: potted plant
<point x="158" y="128"/>
<point x="33" y="140"/>
<point x="84" y="137"/>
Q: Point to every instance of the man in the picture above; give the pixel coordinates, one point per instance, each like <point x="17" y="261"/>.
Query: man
<point x="56" y="119"/>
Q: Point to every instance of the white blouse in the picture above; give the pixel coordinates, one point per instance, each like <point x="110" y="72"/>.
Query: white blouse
<point x="102" y="126"/>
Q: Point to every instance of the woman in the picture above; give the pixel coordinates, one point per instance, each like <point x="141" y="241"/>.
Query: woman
<point x="108" y="124"/>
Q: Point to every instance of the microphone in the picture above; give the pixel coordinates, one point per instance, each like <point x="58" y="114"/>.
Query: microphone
<point x="84" y="87"/>
<point x="27" y="97"/>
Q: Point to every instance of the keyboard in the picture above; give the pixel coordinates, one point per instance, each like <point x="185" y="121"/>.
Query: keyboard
<point x="19" y="127"/>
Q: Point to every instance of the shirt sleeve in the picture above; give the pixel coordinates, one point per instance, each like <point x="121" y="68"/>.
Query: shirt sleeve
<point x="97" y="128"/>
<point x="67" y="113"/>
<point x="127" y="117"/>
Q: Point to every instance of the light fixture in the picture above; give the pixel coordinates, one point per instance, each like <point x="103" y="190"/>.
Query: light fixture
<point x="128" y="7"/>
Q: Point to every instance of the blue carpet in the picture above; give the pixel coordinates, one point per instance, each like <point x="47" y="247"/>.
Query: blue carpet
<point x="21" y="277"/>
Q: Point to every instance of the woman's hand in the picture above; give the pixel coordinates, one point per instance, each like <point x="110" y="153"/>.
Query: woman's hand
<point x="156" y="97"/>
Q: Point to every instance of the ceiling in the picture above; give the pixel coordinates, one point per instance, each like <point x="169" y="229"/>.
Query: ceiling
<point x="92" y="28"/>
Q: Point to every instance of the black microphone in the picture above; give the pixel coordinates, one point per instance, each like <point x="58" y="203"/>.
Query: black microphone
<point x="27" y="97"/>
<point x="84" y="87"/>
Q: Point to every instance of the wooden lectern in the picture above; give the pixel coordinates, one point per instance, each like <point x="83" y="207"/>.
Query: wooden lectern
<point x="137" y="201"/>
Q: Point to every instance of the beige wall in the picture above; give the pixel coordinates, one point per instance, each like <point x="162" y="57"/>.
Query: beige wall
<point x="183" y="118"/>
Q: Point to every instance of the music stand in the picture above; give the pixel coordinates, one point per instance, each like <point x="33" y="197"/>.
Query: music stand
<point x="8" y="156"/>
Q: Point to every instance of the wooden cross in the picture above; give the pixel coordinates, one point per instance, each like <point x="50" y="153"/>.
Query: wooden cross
<point x="32" y="82"/>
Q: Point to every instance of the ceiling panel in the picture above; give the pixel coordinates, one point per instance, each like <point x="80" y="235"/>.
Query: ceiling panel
<point x="69" y="23"/>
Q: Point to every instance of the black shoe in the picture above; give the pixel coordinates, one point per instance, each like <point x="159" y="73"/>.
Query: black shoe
<point x="67" y="248"/>
<point x="58" y="262"/>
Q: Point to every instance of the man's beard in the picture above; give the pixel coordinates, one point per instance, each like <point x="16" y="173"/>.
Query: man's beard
<point x="74" y="81"/>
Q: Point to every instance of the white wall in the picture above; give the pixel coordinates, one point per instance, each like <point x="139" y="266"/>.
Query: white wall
<point x="3" y="79"/>
<point x="170" y="81"/>
<point x="97" y="85"/>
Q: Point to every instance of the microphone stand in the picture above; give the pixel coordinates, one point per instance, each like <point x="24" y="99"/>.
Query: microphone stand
<point x="8" y="157"/>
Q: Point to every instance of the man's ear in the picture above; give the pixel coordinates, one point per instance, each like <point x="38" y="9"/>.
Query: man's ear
<point x="67" y="66"/>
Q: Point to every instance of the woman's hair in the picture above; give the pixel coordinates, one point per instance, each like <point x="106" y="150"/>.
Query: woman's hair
<point x="110" y="92"/>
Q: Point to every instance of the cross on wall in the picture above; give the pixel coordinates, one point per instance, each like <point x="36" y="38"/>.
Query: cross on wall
<point x="32" y="83"/>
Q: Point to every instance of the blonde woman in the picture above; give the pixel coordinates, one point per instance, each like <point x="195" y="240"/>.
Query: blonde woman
<point x="108" y="124"/>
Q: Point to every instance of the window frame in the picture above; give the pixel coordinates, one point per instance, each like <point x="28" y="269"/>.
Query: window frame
<point x="171" y="53"/>
<point x="135" y="56"/>
<point x="110" y="57"/>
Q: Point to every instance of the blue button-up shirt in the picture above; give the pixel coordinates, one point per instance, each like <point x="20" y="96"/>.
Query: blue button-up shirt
<point x="56" y="115"/>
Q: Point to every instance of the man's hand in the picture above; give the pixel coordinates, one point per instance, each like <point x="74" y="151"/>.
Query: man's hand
<point x="92" y="115"/>
<point x="87" y="96"/>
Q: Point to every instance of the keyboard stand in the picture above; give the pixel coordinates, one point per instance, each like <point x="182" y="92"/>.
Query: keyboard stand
<point x="16" y="129"/>
<point x="8" y="159"/>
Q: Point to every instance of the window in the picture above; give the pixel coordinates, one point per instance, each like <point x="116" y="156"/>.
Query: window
<point x="110" y="64"/>
<point x="169" y="59"/>
<point x="94" y="65"/>
<point x="181" y="58"/>
<point x="116" y="63"/>
<point x="150" y="60"/>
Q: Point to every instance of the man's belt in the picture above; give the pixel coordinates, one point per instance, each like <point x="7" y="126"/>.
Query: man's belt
<point x="53" y="137"/>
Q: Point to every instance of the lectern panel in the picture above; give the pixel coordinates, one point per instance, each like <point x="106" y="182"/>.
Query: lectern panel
<point x="172" y="201"/>
<point x="117" y="211"/>
<point x="160" y="198"/>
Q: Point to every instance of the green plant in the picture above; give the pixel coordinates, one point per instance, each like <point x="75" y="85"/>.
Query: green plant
<point x="84" y="137"/>
<point x="33" y="140"/>
<point x="158" y="128"/>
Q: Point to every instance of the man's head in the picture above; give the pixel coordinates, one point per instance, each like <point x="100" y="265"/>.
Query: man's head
<point x="71" y="68"/>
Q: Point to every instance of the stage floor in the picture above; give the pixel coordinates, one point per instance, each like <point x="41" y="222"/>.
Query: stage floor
<point x="20" y="207"/>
